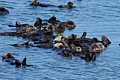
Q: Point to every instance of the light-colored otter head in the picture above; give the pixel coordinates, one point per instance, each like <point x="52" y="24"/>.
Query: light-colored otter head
<point x="7" y="55"/>
<point x="59" y="38"/>
<point x="58" y="45"/>
<point x="96" y="47"/>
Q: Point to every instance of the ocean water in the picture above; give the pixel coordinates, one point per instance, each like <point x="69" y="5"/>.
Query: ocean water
<point x="96" y="17"/>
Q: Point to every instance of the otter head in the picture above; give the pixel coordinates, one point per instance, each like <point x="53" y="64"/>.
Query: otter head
<point x="7" y="55"/>
<point x="105" y="41"/>
<point x="70" y="5"/>
<point x="2" y="9"/>
<point x="35" y="2"/>
<point x="31" y="28"/>
<point x="39" y="20"/>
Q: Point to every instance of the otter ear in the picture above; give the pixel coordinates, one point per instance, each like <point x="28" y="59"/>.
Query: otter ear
<point x="24" y="62"/>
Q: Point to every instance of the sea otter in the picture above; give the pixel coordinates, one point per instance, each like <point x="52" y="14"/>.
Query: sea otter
<point x="3" y="11"/>
<point x="8" y="57"/>
<point x="69" y="5"/>
<point x="36" y="3"/>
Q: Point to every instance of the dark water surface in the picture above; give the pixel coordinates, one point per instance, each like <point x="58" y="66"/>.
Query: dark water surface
<point x="96" y="17"/>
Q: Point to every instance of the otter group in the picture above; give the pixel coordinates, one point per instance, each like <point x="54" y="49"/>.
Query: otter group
<point x="87" y="48"/>
<point x="44" y="36"/>
<point x="36" y="3"/>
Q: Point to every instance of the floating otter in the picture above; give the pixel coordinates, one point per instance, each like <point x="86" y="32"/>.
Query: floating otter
<point x="70" y="25"/>
<point x="26" y="44"/>
<point x="96" y="47"/>
<point x="36" y="3"/>
<point x="27" y="31"/>
<point x="76" y="49"/>
<point x="69" y="5"/>
<point x="18" y="25"/>
<point x="7" y="57"/>
<point x="3" y="11"/>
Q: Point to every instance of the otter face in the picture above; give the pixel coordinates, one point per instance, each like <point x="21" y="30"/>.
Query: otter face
<point x="59" y="38"/>
<point x="70" y="5"/>
<point x="78" y="49"/>
<point x="58" y="45"/>
<point x="7" y="55"/>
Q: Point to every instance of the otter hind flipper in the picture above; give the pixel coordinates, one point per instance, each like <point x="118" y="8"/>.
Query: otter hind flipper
<point x="24" y="62"/>
<point x="17" y="63"/>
